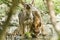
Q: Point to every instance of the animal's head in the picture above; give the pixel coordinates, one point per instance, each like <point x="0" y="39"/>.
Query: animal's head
<point x="27" y="5"/>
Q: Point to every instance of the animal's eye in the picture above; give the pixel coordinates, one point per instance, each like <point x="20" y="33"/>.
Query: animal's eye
<point x="27" y="5"/>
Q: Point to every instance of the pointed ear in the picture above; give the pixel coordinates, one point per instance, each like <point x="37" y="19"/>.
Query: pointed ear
<point x="32" y="2"/>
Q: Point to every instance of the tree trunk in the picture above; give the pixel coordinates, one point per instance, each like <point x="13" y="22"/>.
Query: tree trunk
<point x="52" y="14"/>
<point x="5" y="25"/>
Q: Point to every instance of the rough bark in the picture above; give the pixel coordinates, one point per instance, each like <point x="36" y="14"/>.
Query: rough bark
<point x="5" y="25"/>
<point x="52" y="14"/>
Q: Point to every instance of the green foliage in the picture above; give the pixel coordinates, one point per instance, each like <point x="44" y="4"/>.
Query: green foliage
<point x="57" y="6"/>
<point x="1" y="1"/>
<point x="27" y="35"/>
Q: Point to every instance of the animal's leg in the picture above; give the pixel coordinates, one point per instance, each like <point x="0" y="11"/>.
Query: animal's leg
<point x="21" y="30"/>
